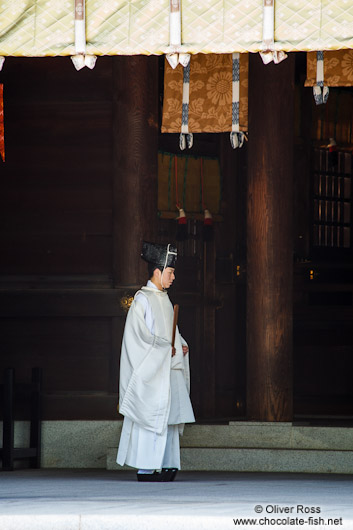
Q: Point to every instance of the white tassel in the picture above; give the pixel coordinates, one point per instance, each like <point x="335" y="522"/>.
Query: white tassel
<point x="173" y="59"/>
<point x="186" y="140"/>
<point x="182" y="141"/>
<point x="321" y="94"/>
<point x="237" y="139"/>
<point x="275" y="56"/>
<point x="190" y="140"/>
<point x="79" y="61"/>
<point x="90" y="61"/>
<point x="2" y="60"/>
<point x="178" y="58"/>
<point x="184" y="59"/>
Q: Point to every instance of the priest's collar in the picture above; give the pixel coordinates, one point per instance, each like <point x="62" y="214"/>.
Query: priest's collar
<point x="152" y="287"/>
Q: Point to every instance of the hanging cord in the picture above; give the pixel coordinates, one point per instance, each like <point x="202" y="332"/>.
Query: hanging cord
<point x="170" y="181"/>
<point x="181" y="229"/>
<point x="320" y="91"/>
<point x="165" y="264"/>
<point x="202" y="185"/>
<point x="327" y="122"/>
<point x="207" y="222"/>
<point x="338" y="92"/>
<point x="176" y="182"/>
<point x="185" y="138"/>
<point x="2" y="132"/>
<point x="236" y="136"/>
<point x="185" y="177"/>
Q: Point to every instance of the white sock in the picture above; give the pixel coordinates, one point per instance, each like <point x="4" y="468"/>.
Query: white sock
<point x="146" y="471"/>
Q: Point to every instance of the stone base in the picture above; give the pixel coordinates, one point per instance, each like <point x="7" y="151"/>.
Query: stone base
<point x="239" y="446"/>
<point x="263" y="447"/>
<point x="258" y="460"/>
<point x="72" y="444"/>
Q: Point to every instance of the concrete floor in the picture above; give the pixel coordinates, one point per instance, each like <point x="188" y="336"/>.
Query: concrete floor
<point x="110" y="500"/>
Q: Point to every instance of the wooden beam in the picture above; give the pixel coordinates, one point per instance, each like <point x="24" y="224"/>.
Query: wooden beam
<point x="66" y="303"/>
<point x="269" y="240"/>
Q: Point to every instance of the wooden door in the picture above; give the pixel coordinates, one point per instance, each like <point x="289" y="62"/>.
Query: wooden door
<point x="210" y="289"/>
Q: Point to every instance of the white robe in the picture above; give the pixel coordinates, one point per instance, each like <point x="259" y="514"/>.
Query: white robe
<point x="154" y="387"/>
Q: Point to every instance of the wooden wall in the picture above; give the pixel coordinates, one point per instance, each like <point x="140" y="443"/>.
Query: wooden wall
<point x="59" y="294"/>
<point x="55" y="204"/>
<point x="323" y="300"/>
<point x="58" y="310"/>
<point x="62" y="229"/>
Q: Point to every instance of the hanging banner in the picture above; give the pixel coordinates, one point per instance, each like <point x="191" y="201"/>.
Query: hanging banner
<point x="338" y="68"/>
<point x="335" y="119"/>
<point x="181" y="184"/>
<point x="2" y="138"/>
<point x="210" y="94"/>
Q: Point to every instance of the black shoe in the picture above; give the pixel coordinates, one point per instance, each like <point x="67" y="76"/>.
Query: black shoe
<point x="156" y="476"/>
<point x="170" y="473"/>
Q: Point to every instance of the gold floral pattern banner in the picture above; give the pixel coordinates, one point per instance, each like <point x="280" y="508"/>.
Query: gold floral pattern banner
<point x="2" y="141"/>
<point x="338" y="68"/>
<point x="210" y="105"/>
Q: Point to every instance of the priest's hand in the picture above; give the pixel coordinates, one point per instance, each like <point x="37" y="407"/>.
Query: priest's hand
<point x="173" y="351"/>
<point x="185" y="349"/>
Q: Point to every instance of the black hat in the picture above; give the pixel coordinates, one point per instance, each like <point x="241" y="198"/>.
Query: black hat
<point x="160" y="255"/>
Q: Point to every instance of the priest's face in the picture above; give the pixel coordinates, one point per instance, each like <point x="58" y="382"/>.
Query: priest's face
<point x="167" y="277"/>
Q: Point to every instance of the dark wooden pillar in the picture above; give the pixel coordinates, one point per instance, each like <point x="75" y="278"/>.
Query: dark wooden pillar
<point x="135" y="101"/>
<point x="135" y="137"/>
<point x="269" y="240"/>
<point x="209" y="332"/>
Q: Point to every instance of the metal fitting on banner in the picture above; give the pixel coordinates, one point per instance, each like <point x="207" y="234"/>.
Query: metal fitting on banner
<point x="81" y="59"/>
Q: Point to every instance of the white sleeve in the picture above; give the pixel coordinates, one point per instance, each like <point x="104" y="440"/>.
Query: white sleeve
<point x="183" y="341"/>
<point x="143" y="300"/>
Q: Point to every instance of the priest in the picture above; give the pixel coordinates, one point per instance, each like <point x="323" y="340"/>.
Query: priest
<point x="154" y="375"/>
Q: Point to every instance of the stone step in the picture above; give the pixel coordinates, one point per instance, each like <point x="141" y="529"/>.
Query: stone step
<point x="267" y="435"/>
<point x="257" y="460"/>
<point x="264" y="446"/>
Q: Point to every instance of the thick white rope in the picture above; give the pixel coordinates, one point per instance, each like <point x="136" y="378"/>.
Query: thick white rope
<point x="81" y="59"/>
<point x="175" y="56"/>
